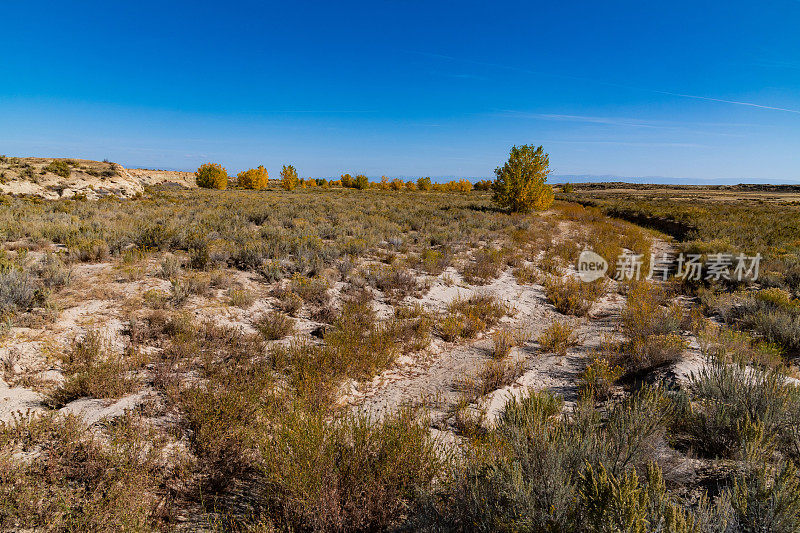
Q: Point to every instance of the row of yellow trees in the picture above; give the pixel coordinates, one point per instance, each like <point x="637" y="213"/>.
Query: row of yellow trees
<point x="519" y="185"/>
<point x="214" y="176"/>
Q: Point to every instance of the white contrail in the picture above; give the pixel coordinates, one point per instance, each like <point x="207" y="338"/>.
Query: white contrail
<point x="749" y="104"/>
<point x="610" y="84"/>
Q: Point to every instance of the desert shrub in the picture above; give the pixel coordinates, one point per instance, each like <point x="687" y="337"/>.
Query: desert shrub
<point x="528" y="472"/>
<point x="624" y="503"/>
<point x="434" y="261"/>
<point x="211" y="176"/>
<point x="52" y="272"/>
<point x="92" y="370"/>
<point x="87" y="249"/>
<point x="347" y="474"/>
<point x="223" y="411"/>
<point x="766" y="498"/>
<point x="396" y="282"/>
<point x="60" y="168"/>
<point x="769" y="313"/>
<point x="495" y="374"/>
<point x="468" y="317"/>
<point x="311" y="290"/>
<point x="240" y="297"/>
<point x="291" y="303"/>
<point x="485" y="266"/>
<point x="558" y="337"/>
<point x="74" y="480"/>
<point x="519" y="185"/>
<point x="502" y="342"/>
<point x="358" y="345"/>
<point x="255" y="178"/>
<point x="572" y="296"/>
<point x="170" y="267"/>
<point x="734" y="405"/>
<point x="651" y="329"/>
<point x="289" y="179"/>
<point x="274" y="325"/>
<point x="17" y="291"/>
<point x="450" y="327"/>
<point x="598" y="378"/>
<point x="526" y="275"/>
<point x="424" y="184"/>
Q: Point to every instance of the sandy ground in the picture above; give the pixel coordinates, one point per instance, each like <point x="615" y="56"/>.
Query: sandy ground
<point x="101" y="298"/>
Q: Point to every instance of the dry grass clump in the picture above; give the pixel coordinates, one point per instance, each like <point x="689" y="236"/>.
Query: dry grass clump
<point x="240" y="297"/>
<point x="311" y="290"/>
<point x="396" y="282"/>
<point x="92" y="369"/>
<point x="465" y="318"/>
<point x="572" y="296"/>
<point x="527" y="275"/>
<point x="485" y="266"/>
<point x="346" y="474"/>
<point x="274" y="325"/>
<point x="558" y="337"/>
<point x="57" y="475"/>
<point x="502" y="343"/>
<point x="651" y="329"/>
<point x="597" y="379"/>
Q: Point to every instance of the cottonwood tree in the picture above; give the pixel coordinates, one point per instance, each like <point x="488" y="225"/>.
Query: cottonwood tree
<point x="520" y="184"/>
<point x="211" y="176"/>
<point x="289" y="179"/>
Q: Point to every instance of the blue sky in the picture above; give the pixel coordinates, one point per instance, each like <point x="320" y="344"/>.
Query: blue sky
<point x="700" y="90"/>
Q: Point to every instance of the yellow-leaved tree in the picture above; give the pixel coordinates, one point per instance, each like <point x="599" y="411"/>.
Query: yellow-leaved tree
<point x="255" y="178"/>
<point x="520" y="184"/>
<point x="211" y="176"/>
<point x="289" y="179"/>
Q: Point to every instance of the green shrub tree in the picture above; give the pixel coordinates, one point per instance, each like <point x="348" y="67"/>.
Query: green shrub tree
<point x="211" y="176"/>
<point x="289" y="179"/>
<point x="347" y="180"/>
<point x="255" y="178"/>
<point x="520" y="184"/>
<point x="361" y="182"/>
<point x="424" y="184"/>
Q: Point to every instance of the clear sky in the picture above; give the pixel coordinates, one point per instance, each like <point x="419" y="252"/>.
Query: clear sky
<point x="701" y="90"/>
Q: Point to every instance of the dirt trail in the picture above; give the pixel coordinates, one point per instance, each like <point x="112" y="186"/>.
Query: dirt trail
<point x="434" y="380"/>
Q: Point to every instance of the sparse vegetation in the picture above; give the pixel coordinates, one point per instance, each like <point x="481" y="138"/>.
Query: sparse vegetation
<point x="249" y="330"/>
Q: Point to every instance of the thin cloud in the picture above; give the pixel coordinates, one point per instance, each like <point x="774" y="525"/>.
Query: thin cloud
<point x="749" y="104"/>
<point x="625" y="122"/>
<point x="609" y="121"/>
<point x="609" y="84"/>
